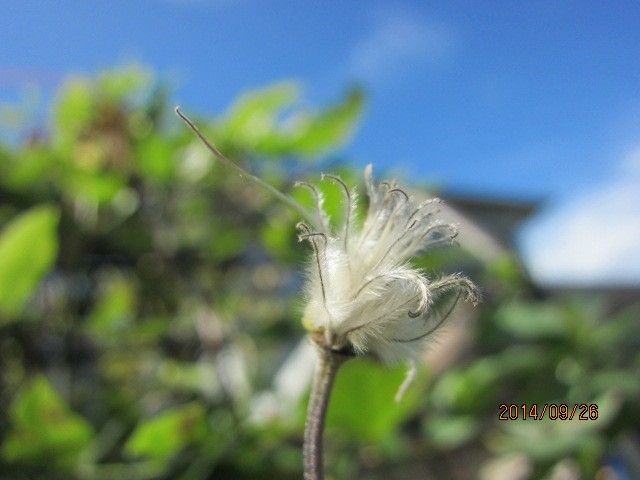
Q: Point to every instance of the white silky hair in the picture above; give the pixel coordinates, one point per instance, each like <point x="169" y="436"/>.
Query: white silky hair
<point x="362" y="293"/>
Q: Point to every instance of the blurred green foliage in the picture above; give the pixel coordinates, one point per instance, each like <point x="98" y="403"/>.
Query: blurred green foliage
<point x="45" y="430"/>
<point x="149" y="298"/>
<point x="28" y="248"/>
<point x="166" y="434"/>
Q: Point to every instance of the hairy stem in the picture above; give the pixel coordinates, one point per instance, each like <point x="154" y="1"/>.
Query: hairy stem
<point x="328" y="363"/>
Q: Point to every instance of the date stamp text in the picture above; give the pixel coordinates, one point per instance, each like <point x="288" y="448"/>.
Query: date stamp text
<point x="552" y="411"/>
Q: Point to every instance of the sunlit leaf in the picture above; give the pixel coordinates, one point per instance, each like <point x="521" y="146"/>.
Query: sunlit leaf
<point x="188" y="376"/>
<point x="331" y="128"/>
<point x="508" y="270"/>
<point x="168" y="433"/>
<point x="115" y="308"/>
<point x="28" y="249"/>
<point x="277" y="235"/>
<point x="254" y="116"/>
<point x="44" y="430"/>
<point x="27" y="169"/>
<point x="75" y="107"/>
<point x="255" y="123"/>
<point x="93" y="188"/>
<point x="118" y="83"/>
<point x="155" y="157"/>
<point x="363" y="404"/>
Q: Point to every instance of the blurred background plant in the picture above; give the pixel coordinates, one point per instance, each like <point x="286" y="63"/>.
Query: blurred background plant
<point x="149" y="325"/>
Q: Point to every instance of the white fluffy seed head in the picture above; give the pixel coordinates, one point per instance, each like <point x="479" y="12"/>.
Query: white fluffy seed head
<point x="362" y="293"/>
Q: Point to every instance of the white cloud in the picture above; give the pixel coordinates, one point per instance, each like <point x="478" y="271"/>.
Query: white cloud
<point x="397" y="41"/>
<point x="593" y="239"/>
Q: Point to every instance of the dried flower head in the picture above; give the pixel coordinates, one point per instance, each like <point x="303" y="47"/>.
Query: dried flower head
<point x="362" y="293"/>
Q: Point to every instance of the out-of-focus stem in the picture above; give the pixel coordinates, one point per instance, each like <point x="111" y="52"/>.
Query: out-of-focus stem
<point x="328" y="363"/>
<point x="286" y="199"/>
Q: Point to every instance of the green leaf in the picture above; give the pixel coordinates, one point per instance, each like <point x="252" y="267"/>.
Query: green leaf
<point x="531" y="321"/>
<point x="44" y="430"/>
<point x="362" y="403"/>
<point x="155" y="158"/>
<point x="75" y="108"/>
<point x="254" y="123"/>
<point x="467" y="389"/>
<point x="227" y="242"/>
<point x="473" y="388"/>
<point x="625" y="382"/>
<point x="452" y="431"/>
<point x="331" y="128"/>
<point x="116" y="84"/>
<point x="28" y="249"/>
<point x="31" y="167"/>
<point x="168" y="433"/>
<point x="115" y="308"/>
<point x="277" y="235"/>
<point x="185" y="376"/>
<point x="508" y="270"/>
<point x="99" y="188"/>
<point x="253" y="118"/>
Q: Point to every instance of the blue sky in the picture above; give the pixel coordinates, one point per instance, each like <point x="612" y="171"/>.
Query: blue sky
<point x="521" y="99"/>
